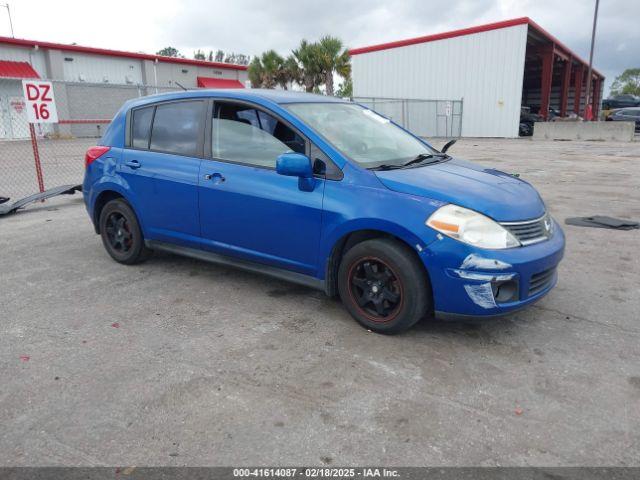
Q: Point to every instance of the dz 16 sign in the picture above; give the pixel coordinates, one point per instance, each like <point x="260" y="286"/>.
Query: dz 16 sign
<point x="40" y="104"/>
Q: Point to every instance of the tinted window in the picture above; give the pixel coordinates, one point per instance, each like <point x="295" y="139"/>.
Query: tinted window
<point x="267" y="122"/>
<point x="176" y="128"/>
<point x="239" y="134"/>
<point x="141" y="119"/>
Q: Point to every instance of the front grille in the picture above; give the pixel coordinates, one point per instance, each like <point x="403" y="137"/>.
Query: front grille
<point x="541" y="281"/>
<point x="530" y="231"/>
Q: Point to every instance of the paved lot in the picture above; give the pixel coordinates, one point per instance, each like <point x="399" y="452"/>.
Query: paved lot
<point x="177" y="362"/>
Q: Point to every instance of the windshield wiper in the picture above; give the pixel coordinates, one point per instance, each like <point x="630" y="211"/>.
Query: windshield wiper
<point x="387" y="166"/>
<point x="421" y="157"/>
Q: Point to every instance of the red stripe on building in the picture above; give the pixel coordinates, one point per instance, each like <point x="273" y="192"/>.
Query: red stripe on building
<point x="208" y="82"/>
<point x="117" y="53"/>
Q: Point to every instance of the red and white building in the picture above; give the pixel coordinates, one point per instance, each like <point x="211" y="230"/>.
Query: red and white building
<point x="83" y="69"/>
<point x="495" y="69"/>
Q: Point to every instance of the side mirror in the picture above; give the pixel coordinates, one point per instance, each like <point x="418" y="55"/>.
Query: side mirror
<point x="448" y="145"/>
<point x="297" y="165"/>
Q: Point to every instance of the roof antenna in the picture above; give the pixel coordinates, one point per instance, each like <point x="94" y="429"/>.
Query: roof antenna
<point x="177" y="83"/>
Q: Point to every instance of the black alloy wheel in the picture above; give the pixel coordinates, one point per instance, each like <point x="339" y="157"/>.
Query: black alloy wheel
<point x="384" y="285"/>
<point x="121" y="233"/>
<point x="118" y="232"/>
<point x="375" y="288"/>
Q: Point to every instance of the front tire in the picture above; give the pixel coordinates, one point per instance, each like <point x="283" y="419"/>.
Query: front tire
<point x="121" y="233"/>
<point x="383" y="285"/>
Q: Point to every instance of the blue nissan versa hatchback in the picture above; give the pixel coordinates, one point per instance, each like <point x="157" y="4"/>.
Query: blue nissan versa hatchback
<point x="323" y="192"/>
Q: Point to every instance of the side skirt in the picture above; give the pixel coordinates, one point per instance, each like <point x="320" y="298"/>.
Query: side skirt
<point x="286" y="275"/>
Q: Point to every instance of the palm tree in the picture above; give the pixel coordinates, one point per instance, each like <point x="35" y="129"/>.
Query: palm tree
<point x="307" y="55"/>
<point x="271" y="66"/>
<point x="332" y="57"/>
<point x="266" y="71"/>
<point x="289" y="73"/>
<point x="255" y="72"/>
<point x="310" y="65"/>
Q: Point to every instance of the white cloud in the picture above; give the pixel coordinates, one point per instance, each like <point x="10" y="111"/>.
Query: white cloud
<point x="252" y="26"/>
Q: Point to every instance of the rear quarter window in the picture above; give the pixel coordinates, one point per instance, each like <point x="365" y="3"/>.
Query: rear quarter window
<point x="141" y="130"/>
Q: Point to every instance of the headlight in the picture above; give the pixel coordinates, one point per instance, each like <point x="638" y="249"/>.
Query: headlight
<point x="471" y="227"/>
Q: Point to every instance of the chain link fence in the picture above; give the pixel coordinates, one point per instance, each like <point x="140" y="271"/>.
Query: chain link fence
<point x="425" y="118"/>
<point x="35" y="157"/>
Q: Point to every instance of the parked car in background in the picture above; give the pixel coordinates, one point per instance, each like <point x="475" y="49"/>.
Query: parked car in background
<point x="527" y="121"/>
<point x="323" y="192"/>
<point x="626" y="115"/>
<point x="620" y="101"/>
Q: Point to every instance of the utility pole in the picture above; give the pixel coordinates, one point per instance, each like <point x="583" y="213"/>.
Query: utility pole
<point x="6" y="5"/>
<point x="593" y="41"/>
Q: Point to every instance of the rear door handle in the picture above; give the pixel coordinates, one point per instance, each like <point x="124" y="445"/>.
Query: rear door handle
<point x="215" y="177"/>
<point x="133" y="164"/>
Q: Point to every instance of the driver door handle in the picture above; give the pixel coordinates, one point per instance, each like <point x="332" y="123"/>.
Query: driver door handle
<point x="133" y="164"/>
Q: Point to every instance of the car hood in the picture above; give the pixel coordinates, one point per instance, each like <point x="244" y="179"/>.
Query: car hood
<point x="496" y="194"/>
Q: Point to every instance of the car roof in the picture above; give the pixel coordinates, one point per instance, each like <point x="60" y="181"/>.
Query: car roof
<point x="255" y="94"/>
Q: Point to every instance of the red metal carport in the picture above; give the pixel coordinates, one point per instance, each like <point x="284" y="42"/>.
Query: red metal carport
<point x="555" y="77"/>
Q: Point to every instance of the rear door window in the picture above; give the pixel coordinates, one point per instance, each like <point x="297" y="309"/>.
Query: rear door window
<point x="141" y="119"/>
<point x="177" y="128"/>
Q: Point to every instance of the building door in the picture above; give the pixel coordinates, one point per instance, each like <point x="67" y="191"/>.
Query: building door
<point x="18" y="117"/>
<point x="5" y="122"/>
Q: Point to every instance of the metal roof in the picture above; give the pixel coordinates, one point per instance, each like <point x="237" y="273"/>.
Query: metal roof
<point x="477" y="29"/>
<point x="17" y="70"/>
<point x="209" y="82"/>
<point x="116" y="53"/>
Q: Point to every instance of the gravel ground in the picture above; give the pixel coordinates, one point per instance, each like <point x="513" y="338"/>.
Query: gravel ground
<point x="178" y="362"/>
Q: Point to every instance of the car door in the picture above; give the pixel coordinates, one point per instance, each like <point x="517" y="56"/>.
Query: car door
<point x="162" y="164"/>
<point x="247" y="209"/>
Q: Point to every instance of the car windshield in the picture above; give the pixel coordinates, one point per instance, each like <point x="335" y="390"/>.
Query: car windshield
<point x="361" y="134"/>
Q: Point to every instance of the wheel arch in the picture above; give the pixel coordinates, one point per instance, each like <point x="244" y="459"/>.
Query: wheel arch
<point x="108" y="192"/>
<point x="358" y="235"/>
<point x="101" y="200"/>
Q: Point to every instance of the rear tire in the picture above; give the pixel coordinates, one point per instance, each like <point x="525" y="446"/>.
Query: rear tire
<point x="383" y="285"/>
<point x="121" y="233"/>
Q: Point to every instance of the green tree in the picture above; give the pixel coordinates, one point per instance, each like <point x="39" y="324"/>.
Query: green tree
<point x="242" y="59"/>
<point x="199" y="55"/>
<point x="271" y="68"/>
<point x="333" y="58"/>
<point x="307" y="55"/>
<point x="627" y="83"/>
<point x="255" y="72"/>
<point x="289" y="72"/>
<point x="310" y="65"/>
<point x="219" y="56"/>
<point x="345" y="89"/>
<point x="169" y="52"/>
<point x="267" y="71"/>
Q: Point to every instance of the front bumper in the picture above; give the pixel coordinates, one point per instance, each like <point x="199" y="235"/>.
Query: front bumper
<point x="472" y="282"/>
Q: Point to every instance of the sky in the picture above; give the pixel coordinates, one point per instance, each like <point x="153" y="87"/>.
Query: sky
<point x="252" y="26"/>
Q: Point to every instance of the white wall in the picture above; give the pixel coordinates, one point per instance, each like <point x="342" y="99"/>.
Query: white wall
<point x="97" y="68"/>
<point x="24" y="54"/>
<point x="485" y="69"/>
